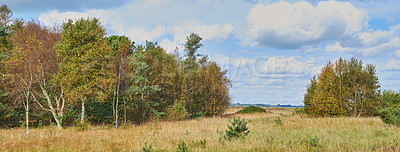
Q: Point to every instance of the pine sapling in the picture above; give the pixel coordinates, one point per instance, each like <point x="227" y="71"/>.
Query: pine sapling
<point x="238" y="129"/>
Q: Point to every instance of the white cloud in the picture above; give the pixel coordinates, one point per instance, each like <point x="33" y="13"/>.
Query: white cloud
<point x="211" y="32"/>
<point x="55" y="17"/>
<point x="392" y="65"/>
<point x="337" y="47"/>
<point x="141" y="35"/>
<point x="370" y="43"/>
<point x="397" y="53"/>
<point x="169" y="46"/>
<point x="285" y="25"/>
<point x="392" y="45"/>
<point x="158" y="1"/>
<point x="155" y="20"/>
<point x="380" y="9"/>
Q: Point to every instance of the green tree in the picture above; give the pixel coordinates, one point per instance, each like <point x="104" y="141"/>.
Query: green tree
<point x="141" y="87"/>
<point x="86" y="69"/>
<point x="390" y="108"/>
<point x="192" y="44"/>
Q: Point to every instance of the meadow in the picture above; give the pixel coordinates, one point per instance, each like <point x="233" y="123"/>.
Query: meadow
<point x="292" y="132"/>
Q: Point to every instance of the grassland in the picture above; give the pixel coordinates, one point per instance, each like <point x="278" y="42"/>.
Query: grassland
<point x="295" y="133"/>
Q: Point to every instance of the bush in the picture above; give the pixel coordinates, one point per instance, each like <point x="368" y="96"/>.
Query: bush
<point x="182" y="147"/>
<point x="251" y="109"/>
<point x="390" y="115"/>
<point x="147" y="148"/>
<point x="202" y="143"/>
<point x="177" y="112"/>
<point x="278" y="121"/>
<point x="313" y="142"/>
<point x="238" y="129"/>
<point x="83" y="126"/>
<point x="390" y="110"/>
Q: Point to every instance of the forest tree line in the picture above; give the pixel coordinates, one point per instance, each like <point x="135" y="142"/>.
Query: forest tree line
<point x="76" y="74"/>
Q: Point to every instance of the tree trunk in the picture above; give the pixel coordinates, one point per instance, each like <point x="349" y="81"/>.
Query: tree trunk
<point x="52" y="110"/>
<point x="143" y="112"/>
<point x="27" y="113"/>
<point x="59" y="127"/>
<point x="116" y="106"/>
<point x="113" y="104"/>
<point x="83" y="112"/>
<point x="116" y="114"/>
<point x="124" y="111"/>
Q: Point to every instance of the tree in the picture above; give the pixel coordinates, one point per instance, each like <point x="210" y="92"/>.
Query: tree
<point x="31" y="67"/>
<point x="5" y="15"/>
<point x="86" y="69"/>
<point x="21" y="69"/>
<point x="164" y="73"/>
<point x="8" y="29"/>
<point x="192" y="45"/>
<point x="44" y="40"/>
<point x="345" y="87"/>
<point x="141" y="86"/>
<point x="325" y="103"/>
<point x="390" y="108"/>
<point x="5" y="41"/>
<point x="309" y="96"/>
<point x="121" y="47"/>
<point x="218" y="89"/>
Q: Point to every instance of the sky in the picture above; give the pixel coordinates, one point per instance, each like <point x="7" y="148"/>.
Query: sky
<point x="270" y="48"/>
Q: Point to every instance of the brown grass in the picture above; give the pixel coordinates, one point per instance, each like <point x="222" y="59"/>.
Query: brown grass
<point x="295" y="133"/>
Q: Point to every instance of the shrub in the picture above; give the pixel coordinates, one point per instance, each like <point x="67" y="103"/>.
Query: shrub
<point x="238" y="129"/>
<point x="202" y="143"/>
<point x="390" y="115"/>
<point x="147" y="149"/>
<point x="278" y="121"/>
<point x="313" y="142"/>
<point x="182" y="147"/>
<point x="177" y="112"/>
<point x="251" y="109"/>
<point x="298" y="111"/>
<point x="83" y="126"/>
<point x="390" y="110"/>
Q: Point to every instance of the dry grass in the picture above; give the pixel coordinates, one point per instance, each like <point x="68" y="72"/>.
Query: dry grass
<point x="295" y="134"/>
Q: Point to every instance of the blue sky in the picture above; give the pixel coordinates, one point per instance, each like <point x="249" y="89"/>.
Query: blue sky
<point x="271" y="48"/>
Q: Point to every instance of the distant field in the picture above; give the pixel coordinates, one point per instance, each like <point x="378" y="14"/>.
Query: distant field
<point x="296" y="133"/>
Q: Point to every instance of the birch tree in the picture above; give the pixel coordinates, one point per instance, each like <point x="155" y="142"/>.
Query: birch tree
<point x="86" y="69"/>
<point x="121" y="47"/>
<point x="45" y="68"/>
<point x="21" y="69"/>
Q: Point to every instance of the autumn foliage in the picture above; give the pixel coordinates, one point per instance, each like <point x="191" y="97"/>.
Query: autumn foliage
<point x="75" y="74"/>
<point x="343" y="88"/>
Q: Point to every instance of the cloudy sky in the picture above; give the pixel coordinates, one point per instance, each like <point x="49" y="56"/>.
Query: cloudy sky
<point x="271" y="48"/>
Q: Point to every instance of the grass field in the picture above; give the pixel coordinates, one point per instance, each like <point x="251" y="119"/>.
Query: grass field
<point x="295" y="133"/>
